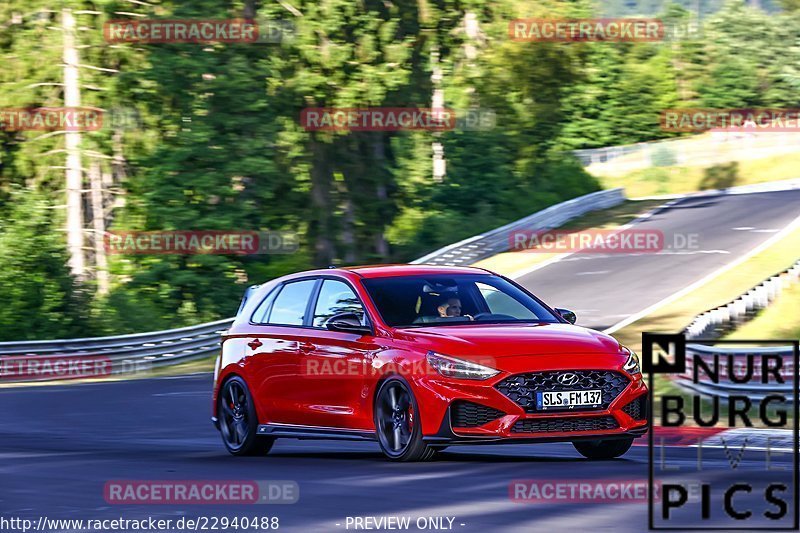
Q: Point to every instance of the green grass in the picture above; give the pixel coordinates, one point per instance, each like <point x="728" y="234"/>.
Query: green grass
<point x="685" y="179"/>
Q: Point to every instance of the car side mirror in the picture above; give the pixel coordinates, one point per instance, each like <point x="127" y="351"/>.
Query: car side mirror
<point x="567" y="315"/>
<point x="347" y="323"/>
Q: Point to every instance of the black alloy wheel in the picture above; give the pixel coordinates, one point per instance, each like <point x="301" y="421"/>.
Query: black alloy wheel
<point x="397" y="422"/>
<point x="238" y="420"/>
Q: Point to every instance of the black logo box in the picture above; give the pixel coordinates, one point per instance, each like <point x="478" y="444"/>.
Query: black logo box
<point x="674" y="344"/>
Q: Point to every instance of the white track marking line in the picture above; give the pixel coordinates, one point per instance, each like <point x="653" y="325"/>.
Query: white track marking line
<point x="705" y="279"/>
<point x="640" y="218"/>
<point x="781" y="185"/>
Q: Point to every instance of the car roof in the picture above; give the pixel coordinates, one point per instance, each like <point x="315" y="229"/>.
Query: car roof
<point x="382" y="271"/>
<point x="378" y="271"/>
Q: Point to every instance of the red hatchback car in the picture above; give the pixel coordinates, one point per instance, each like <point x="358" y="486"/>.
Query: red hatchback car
<point x="419" y="358"/>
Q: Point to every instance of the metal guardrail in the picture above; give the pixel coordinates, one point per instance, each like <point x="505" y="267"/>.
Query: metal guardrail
<point x="101" y="356"/>
<point x="496" y="241"/>
<point x="51" y="359"/>
<point x="714" y="323"/>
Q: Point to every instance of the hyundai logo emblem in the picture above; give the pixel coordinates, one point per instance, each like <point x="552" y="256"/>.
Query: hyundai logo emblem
<point x="568" y="378"/>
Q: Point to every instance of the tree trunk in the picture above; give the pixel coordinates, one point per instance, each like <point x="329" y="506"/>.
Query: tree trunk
<point x="348" y="231"/>
<point x="99" y="226"/>
<point x="319" y="228"/>
<point x="379" y="155"/>
<point x="74" y="177"/>
<point x="437" y="102"/>
<point x="250" y="8"/>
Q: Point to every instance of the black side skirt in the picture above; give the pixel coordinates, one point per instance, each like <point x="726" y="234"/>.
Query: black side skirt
<point x="314" y="432"/>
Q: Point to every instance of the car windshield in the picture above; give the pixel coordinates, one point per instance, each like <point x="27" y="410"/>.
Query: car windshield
<point x="419" y="301"/>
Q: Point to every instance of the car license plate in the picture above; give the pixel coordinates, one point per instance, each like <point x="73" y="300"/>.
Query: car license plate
<point x="568" y="399"/>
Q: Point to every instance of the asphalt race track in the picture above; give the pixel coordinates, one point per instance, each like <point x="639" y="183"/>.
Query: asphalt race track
<point x="61" y="444"/>
<point x="604" y="289"/>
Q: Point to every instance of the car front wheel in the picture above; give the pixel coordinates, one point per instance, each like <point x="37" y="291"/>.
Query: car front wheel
<point x="238" y="420"/>
<point x="603" y="449"/>
<point x="397" y="423"/>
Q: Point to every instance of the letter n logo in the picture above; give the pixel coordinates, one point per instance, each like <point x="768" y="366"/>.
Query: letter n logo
<point x="664" y="353"/>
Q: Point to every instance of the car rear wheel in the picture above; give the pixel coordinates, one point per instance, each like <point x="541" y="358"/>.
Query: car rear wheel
<point x="397" y="423"/>
<point x="238" y="420"/>
<point x="603" y="449"/>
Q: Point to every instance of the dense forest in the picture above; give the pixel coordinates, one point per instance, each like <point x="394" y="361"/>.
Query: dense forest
<point x="208" y="136"/>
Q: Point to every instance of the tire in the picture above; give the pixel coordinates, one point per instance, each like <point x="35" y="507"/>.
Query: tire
<point x="603" y="449"/>
<point x="238" y="422"/>
<point x="397" y="423"/>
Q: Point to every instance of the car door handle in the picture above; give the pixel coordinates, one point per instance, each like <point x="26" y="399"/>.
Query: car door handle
<point x="306" y="347"/>
<point x="254" y="344"/>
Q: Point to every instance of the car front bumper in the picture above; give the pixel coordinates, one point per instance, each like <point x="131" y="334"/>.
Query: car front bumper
<point x="496" y="417"/>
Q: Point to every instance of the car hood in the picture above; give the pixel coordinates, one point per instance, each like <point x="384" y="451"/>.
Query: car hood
<point x="506" y="340"/>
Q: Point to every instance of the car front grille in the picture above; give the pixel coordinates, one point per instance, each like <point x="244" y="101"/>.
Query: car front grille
<point x="522" y="388"/>
<point x="638" y="408"/>
<point x="558" y="425"/>
<point x="465" y="414"/>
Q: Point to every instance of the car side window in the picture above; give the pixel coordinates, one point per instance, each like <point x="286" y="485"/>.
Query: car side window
<point x="259" y="316"/>
<point x="290" y="304"/>
<point x="336" y="297"/>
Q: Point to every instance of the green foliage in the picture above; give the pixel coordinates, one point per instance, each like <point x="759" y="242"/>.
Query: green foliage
<point x="220" y="146"/>
<point x="663" y="156"/>
<point x="720" y="176"/>
<point x="40" y="298"/>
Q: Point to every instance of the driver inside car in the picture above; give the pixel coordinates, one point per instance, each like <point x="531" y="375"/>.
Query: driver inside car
<point x="446" y="307"/>
<point x="450" y="306"/>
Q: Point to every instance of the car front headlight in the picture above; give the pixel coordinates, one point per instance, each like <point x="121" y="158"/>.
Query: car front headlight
<point x="458" y="368"/>
<point x="631" y="366"/>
